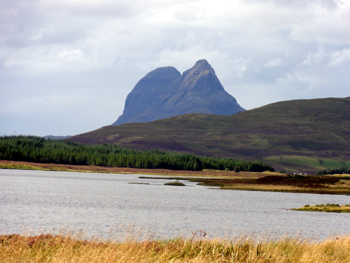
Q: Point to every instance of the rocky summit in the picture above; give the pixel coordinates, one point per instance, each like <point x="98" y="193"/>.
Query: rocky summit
<point x="165" y="93"/>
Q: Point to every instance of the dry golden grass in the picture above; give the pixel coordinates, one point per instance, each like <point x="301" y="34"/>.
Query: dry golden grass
<point x="341" y="184"/>
<point x="339" y="175"/>
<point x="262" y="187"/>
<point x="198" y="248"/>
<point x="333" y="208"/>
<point x="282" y="188"/>
<point x="336" y="189"/>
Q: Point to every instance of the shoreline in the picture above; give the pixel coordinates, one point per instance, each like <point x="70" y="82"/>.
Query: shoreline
<point x="224" y="180"/>
<point x="5" y="164"/>
<point x="327" y="208"/>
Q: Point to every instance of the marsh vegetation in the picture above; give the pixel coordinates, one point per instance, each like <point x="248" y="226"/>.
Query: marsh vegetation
<point x="197" y="248"/>
<point x="274" y="182"/>
<point x="175" y="183"/>
<point x="334" y="208"/>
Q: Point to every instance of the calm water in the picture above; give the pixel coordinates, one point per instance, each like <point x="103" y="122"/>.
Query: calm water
<point x="95" y="203"/>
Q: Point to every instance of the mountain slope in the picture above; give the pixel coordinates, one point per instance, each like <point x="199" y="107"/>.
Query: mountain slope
<point x="164" y="93"/>
<point x="319" y="129"/>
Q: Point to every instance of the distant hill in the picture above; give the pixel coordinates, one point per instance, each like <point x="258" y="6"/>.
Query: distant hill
<point x="165" y="93"/>
<point x="52" y="137"/>
<point x="298" y="135"/>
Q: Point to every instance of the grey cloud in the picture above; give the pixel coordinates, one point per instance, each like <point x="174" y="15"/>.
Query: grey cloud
<point x="117" y="9"/>
<point x="68" y="67"/>
<point x="16" y="20"/>
<point x="331" y="4"/>
<point x="25" y="23"/>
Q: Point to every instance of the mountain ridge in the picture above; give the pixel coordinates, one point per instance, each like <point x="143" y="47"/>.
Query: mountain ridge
<point x="315" y="130"/>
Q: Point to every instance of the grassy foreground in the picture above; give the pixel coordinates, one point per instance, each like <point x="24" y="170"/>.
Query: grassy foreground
<point x="50" y="248"/>
<point x="335" y="208"/>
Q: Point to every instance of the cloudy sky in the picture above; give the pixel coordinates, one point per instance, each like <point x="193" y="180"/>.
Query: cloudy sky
<point x="66" y="66"/>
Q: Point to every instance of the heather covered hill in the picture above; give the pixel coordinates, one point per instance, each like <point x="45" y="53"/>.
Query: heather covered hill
<point x="165" y="93"/>
<point x="298" y="135"/>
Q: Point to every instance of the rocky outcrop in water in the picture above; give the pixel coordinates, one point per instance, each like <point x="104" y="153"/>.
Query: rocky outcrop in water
<point x="165" y="93"/>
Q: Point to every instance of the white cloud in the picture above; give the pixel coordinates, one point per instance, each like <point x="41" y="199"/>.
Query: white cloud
<point x="315" y="57"/>
<point x="274" y="50"/>
<point x="274" y="62"/>
<point x="327" y="26"/>
<point x="240" y="65"/>
<point x="338" y="57"/>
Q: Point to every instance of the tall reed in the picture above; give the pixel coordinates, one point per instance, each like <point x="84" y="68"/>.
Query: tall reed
<point x="198" y="248"/>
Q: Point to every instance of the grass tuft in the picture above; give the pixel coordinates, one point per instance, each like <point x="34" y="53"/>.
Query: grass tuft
<point x="198" y="248"/>
<point x="175" y="183"/>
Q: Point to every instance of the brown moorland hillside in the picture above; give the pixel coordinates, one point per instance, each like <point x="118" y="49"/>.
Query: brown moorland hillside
<point x="297" y="135"/>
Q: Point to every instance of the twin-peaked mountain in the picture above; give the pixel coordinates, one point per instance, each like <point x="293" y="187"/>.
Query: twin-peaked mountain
<point x="165" y="93"/>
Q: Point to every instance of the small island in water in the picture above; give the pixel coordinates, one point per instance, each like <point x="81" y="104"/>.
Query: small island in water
<point x="335" y="208"/>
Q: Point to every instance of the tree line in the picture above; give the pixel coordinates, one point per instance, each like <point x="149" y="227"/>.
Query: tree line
<point x="342" y="170"/>
<point x="41" y="150"/>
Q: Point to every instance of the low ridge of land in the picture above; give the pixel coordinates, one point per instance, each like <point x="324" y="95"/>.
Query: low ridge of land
<point x="295" y="136"/>
<point x="330" y="208"/>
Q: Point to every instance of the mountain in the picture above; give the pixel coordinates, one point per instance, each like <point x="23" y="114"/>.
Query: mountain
<point x="298" y="135"/>
<point x="165" y="93"/>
